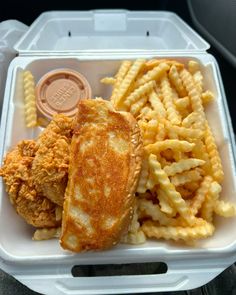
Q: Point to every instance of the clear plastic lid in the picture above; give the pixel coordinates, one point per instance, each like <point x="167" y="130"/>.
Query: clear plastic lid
<point x="67" y="32"/>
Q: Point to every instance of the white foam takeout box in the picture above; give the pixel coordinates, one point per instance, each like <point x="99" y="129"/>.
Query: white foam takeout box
<point x="94" y="43"/>
<point x="10" y="33"/>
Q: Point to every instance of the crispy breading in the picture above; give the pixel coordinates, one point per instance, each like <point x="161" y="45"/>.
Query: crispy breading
<point x="50" y="165"/>
<point x="105" y="163"/>
<point x="17" y="174"/>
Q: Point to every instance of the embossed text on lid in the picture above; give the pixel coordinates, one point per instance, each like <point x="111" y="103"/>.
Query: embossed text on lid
<point x="59" y="91"/>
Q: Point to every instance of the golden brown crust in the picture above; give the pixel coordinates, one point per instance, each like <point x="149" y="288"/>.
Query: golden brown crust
<point x="17" y="174"/>
<point x="105" y="162"/>
<point x="50" y="165"/>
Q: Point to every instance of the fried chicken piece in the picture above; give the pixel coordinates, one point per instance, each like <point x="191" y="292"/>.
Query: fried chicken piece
<point x="50" y="165"/>
<point x="16" y="172"/>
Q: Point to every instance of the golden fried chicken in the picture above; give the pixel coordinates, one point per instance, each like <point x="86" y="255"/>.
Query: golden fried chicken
<point x="17" y="174"/>
<point x="50" y="165"/>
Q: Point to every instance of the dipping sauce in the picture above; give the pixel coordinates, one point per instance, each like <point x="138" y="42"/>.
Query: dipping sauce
<point x="59" y="91"/>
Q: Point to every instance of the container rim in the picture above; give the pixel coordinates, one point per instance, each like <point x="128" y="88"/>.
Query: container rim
<point x="216" y="252"/>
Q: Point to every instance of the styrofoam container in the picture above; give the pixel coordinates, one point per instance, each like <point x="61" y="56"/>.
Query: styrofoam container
<point x="44" y="266"/>
<point x="10" y="32"/>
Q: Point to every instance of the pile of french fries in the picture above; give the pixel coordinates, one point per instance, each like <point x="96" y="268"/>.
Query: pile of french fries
<point x="180" y="181"/>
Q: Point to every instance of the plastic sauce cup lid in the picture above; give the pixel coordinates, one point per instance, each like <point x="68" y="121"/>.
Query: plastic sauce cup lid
<point x="59" y="91"/>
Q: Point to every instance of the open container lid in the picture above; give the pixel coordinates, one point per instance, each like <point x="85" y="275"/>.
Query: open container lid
<point x="102" y="31"/>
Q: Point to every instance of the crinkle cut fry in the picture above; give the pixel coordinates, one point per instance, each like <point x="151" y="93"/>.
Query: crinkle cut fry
<point x="153" y="230"/>
<point x="175" y="144"/>
<point x="125" y="65"/>
<point x="145" y="113"/>
<point x="128" y="80"/>
<point x="185" y="177"/>
<point x="190" y="120"/>
<point x="171" y="132"/>
<point x="168" y="102"/>
<point x="139" y="93"/>
<point x="182" y="103"/>
<point x="183" y="131"/>
<point x="182" y="165"/>
<point x="146" y="208"/>
<point x="194" y="96"/>
<point x="207" y="209"/>
<point x="176" y="81"/>
<point x="143" y="178"/>
<point x="207" y="97"/>
<point x="217" y="170"/>
<point x="201" y="194"/>
<point x="149" y="135"/>
<point x="152" y="63"/>
<point x="198" y="79"/>
<point x="157" y="104"/>
<point x="154" y="212"/>
<point x="225" y="209"/>
<point x="151" y="181"/>
<point x="161" y="134"/>
<point x="137" y="106"/>
<point x="134" y="238"/>
<point x="30" y="100"/>
<point x="46" y="233"/>
<point x="193" y="66"/>
<point x="164" y="203"/>
<point x="154" y="74"/>
<point x="135" y="235"/>
<point x="173" y="196"/>
<point x="199" y="151"/>
<point x="108" y="80"/>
